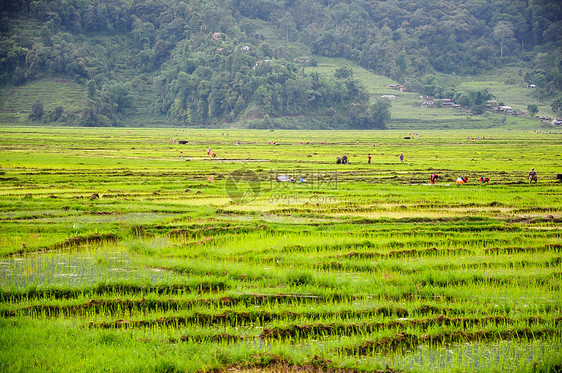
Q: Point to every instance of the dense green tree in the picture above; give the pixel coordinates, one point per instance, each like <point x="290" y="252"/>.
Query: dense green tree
<point x="462" y="98"/>
<point x="53" y="115"/>
<point x="380" y="113"/>
<point x="557" y="105"/>
<point x="533" y="109"/>
<point x="37" y="110"/>
<point x="92" y="89"/>
<point x="344" y="72"/>
<point x="478" y="100"/>
<point x="91" y="117"/>
<point x="119" y="95"/>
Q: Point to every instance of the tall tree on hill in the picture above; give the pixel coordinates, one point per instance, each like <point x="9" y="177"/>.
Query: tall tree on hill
<point x="502" y="32"/>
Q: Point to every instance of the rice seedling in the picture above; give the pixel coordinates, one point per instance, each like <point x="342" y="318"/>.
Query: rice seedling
<point x="131" y="248"/>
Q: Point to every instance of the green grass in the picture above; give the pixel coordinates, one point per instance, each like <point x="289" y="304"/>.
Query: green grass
<point x="407" y="113"/>
<point x="16" y="102"/>
<point x="507" y="85"/>
<point x="362" y="267"/>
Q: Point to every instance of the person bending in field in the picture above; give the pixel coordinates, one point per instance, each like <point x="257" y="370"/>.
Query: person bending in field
<point x="434" y="178"/>
<point x="369" y="158"/>
<point x="344" y="159"/>
<point x="484" y="179"/>
<point x="462" y="180"/>
<point x="532" y="175"/>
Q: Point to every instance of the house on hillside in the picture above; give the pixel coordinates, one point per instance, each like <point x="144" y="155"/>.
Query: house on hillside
<point x="216" y="36"/>
<point x="557" y="122"/>
<point x="447" y="102"/>
<point x="428" y="103"/>
<point x="259" y="62"/>
<point x="399" y="87"/>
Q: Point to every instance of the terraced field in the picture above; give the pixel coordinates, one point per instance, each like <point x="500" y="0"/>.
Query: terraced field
<point x="123" y="250"/>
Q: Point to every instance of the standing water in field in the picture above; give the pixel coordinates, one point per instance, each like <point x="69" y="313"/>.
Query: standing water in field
<point x="63" y="268"/>
<point x="73" y="269"/>
<point x="505" y="356"/>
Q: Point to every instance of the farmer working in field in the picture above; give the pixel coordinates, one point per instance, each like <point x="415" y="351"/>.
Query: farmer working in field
<point x="434" y="178"/>
<point x="532" y="175"/>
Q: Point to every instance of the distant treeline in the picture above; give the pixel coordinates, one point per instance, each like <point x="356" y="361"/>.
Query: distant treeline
<point x="215" y="61"/>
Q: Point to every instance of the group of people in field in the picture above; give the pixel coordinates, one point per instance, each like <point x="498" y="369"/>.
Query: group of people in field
<point x="461" y="179"/>
<point x="483" y="179"/>
<point x="343" y="160"/>
<point x="211" y="153"/>
<point x="433" y="178"/>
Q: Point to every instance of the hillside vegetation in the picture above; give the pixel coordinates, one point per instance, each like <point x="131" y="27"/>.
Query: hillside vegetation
<point x="210" y="63"/>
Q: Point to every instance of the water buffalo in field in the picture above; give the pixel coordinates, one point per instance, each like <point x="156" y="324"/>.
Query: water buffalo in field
<point x="182" y="141"/>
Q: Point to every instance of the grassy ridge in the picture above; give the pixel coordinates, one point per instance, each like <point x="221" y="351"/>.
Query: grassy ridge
<point x="406" y="111"/>
<point x="16" y="102"/>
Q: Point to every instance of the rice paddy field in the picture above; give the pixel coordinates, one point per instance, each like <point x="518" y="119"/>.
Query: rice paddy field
<point x="124" y="250"/>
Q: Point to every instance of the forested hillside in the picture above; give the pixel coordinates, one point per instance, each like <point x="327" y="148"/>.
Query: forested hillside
<point x="207" y="62"/>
